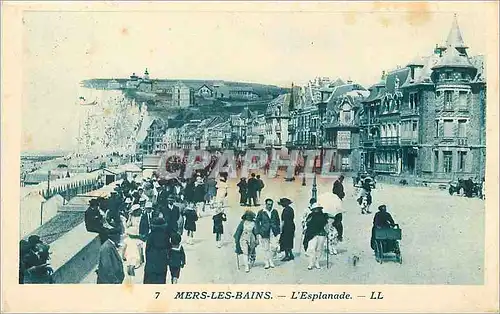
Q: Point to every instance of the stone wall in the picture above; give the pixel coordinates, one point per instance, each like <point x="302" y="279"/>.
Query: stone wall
<point x="74" y="255"/>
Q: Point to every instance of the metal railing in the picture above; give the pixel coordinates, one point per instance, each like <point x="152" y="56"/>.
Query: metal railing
<point x="411" y="140"/>
<point x="387" y="141"/>
<point x="385" y="167"/>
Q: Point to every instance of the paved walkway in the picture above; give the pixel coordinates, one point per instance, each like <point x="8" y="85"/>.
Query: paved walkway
<point x="443" y="241"/>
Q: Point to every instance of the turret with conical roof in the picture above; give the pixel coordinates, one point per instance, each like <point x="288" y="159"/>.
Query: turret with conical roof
<point x="455" y="38"/>
<point x="453" y="64"/>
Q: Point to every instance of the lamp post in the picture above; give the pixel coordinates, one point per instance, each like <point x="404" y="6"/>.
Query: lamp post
<point x="314" y="188"/>
<point x="304" y="169"/>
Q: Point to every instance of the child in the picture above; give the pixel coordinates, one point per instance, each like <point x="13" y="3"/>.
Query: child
<point x="190" y="222"/>
<point x="333" y="234"/>
<point x="218" y="228"/>
<point x="177" y="258"/>
<point x="222" y="192"/>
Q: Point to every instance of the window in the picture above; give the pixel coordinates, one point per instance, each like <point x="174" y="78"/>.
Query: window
<point x="448" y="100"/>
<point x="447" y="162"/>
<point x="448" y="128"/>
<point x="436" y="161"/>
<point x="461" y="128"/>
<point x="345" y="163"/>
<point x="461" y="160"/>
<point x="437" y="129"/>
<point x="345" y="114"/>
<point x="447" y="75"/>
<point x="415" y="129"/>
<point x="414" y="101"/>
<point x="463" y="97"/>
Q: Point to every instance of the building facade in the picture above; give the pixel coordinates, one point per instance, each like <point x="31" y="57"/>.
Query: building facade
<point x="168" y="142"/>
<point x="205" y="91"/>
<point x="181" y="95"/>
<point x="277" y="116"/>
<point x="256" y="132"/>
<point x="428" y="119"/>
<point x="151" y="132"/>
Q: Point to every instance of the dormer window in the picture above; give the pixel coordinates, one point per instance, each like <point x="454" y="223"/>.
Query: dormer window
<point x="346" y="114"/>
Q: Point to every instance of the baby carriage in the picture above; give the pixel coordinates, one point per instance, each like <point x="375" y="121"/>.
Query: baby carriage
<point x="387" y="243"/>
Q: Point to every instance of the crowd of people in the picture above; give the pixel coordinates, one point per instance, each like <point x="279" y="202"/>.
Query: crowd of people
<point x="144" y="222"/>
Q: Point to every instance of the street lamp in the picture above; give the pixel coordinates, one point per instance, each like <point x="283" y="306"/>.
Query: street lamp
<point x="314" y="188"/>
<point x="304" y="169"/>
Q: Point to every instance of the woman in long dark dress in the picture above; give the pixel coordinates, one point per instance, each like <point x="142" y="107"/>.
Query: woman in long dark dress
<point x="381" y="220"/>
<point x="190" y="222"/>
<point x="287" y="229"/>
<point x="157" y="246"/>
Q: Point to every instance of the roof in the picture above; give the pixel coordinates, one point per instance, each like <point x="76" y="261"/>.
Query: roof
<point x="283" y="101"/>
<point x="452" y="58"/>
<point x="147" y="121"/>
<point x="423" y="76"/>
<point x="341" y="90"/>
<point x="454" y="55"/>
<point x="375" y="94"/>
<point x="396" y="79"/>
<point x="205" y="85"/>
<point x="455" y="38"/>
<point x="418" y="61"/>
<point x="338" y="82"/>
<point x="248" y="114"/>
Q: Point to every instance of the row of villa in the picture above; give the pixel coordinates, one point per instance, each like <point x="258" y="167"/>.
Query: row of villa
<point x="424" y="120"/>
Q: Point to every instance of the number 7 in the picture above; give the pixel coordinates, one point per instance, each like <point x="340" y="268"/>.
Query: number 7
<point x="157" y="294"/>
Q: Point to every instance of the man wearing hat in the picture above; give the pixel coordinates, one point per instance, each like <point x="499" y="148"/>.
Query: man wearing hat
<point x="145" y="222"/>
<point x="268" y="228"/>
<point x="315" y="235"/>
<point x="171" y="214"/>
<point x="94" y="220"/>
<point x="110" y="269"/>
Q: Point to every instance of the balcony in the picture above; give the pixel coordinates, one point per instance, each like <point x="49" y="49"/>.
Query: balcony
<point x="329" y="144"/>
<point x="368" y="142"/>
<point x="462" y="141"/>
<point x="409" y="112"/>
<point x="387" y="141"/>
<point x="452" y="141"/>
<point x="386" y="167"/>
<point x="409" y="141"/>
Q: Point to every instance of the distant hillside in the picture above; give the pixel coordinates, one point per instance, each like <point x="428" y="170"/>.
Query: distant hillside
<point x="262" y="89"/>
<point x="217" y="108"/>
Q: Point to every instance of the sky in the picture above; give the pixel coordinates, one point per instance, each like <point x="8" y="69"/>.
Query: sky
<point x="62" y="48"/>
